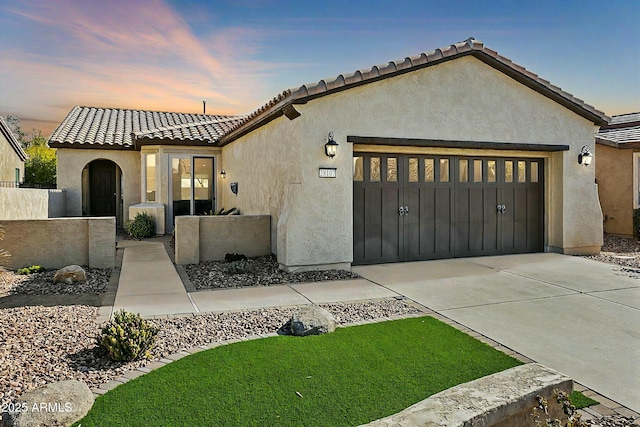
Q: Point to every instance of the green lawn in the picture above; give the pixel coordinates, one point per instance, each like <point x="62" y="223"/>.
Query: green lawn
<point x="346" y="378"/>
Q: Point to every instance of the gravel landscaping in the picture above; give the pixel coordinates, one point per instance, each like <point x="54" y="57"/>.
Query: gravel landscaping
<point x="42" y="283"/>
<point x="622" y="251"/>
<point x="262" y="271"/>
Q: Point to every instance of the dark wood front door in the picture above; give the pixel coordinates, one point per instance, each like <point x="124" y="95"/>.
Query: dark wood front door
<point x="102" y="188"/>
<point x="419" y="207"/>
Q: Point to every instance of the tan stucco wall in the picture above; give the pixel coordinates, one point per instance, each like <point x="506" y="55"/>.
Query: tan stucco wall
<point x="276" y="165"/>
<point x="71" y="162"/>
<point x="30" y="203"/>
<point x="9" y="161"/>
<point x="23" y="203"/>
<point x="210" y="238"/>
<point x="614" y="173"/>
<point x="56" y="243"/>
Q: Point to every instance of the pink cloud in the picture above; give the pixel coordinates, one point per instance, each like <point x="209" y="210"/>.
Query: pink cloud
<point x="130" y="54"/>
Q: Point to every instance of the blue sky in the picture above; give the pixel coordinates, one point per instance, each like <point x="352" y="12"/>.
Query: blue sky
<point x="171" y="55"/>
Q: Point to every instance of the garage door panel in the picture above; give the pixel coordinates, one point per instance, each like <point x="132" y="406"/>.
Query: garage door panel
<point x="535" y="209"/>
<point x="443" y="229"/>
<point x="359" y="213"/>
<point x="461" y="222"/>
<point x="418" y="207"/>
<point x="391" y="227"/>
<point x="490" y="221"/>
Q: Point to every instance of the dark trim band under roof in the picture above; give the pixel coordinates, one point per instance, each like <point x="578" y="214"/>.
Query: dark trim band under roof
<point x="441" y="143"/>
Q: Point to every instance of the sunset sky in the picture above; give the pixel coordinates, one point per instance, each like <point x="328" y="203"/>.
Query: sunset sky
<point x="170" y="55"/>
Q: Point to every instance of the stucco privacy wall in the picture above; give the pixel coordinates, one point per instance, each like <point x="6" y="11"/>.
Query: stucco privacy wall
<point x="462" y="99"/>
<point x="614" y="171"/>
<point x="71" y="162"/>
<point x="23" y="203"/>
<point x="55" y="243"/>
<point x="30" y="203"/>
<point x="210" y="238"/>
<point x="9" y="161"/>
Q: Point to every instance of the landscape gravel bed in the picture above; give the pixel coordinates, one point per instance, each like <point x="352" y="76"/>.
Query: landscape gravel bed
<point x="42" y="283"/>
<point x="49" y="344"/>
<point x="622" y="251"/>
<point x="262" y="271"/>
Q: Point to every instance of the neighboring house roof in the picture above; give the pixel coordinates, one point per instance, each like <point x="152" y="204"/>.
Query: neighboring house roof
<point x="89" y="127"/>
<point x="283" y="103"/>
<point x="622" y="132"/>
<point x="13" y="142"/>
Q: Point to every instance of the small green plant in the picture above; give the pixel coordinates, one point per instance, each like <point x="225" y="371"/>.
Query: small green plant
<point x="541" y="416"/>
<point x="141" y="227"/>
<point x="128" y="337"/>
<point x="239" y="267"/>
<point x="232" y="211"/>
<point x="29" y="270"/>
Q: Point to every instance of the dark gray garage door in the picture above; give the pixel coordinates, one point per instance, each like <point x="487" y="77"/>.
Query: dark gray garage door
<point x="419" y="207"/>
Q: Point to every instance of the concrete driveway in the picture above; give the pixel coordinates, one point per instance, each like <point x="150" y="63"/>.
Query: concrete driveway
<point x="577" y="316"/>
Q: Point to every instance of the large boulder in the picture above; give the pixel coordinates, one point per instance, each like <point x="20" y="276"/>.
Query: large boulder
<point x="54" y="404"/>
<point x="70" y="274"/>
<point x="312" y="320"/>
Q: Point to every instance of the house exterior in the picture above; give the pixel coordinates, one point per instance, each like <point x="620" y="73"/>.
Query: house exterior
<point x="12" y="158"/>
<point x="618" y="172"/>
<point x="449" y="153"/>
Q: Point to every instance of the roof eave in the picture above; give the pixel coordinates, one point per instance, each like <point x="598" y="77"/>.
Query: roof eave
<point x="13" y="142"/>
<point x="261" y="119"/>
<point x="594" y="116"/>
<point x="301" y="95"/>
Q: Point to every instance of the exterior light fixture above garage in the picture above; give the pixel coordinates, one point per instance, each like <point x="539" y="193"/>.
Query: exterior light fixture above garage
<point x="585" y="156"/>
<point x="331" y="147"/>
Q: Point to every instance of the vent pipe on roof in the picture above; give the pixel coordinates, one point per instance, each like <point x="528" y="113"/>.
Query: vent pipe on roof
<point x="204" y="107"/>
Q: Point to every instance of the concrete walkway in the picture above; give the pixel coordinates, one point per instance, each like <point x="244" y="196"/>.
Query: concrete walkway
<point x="149" y="283"/>
<point x="577" y="316"/>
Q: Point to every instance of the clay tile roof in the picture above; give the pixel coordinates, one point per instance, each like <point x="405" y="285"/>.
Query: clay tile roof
<point x="13" y="142"/>
<point x="471" y="46"/>
<point x="623" y="129"/>
<point x="119" y="128"/>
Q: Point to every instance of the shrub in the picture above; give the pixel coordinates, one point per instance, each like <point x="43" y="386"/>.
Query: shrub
<point x="128" y="337"/>
<point x="240" y="267"/>
<point x="28" y="270"/>
<point x="141" y="227"/>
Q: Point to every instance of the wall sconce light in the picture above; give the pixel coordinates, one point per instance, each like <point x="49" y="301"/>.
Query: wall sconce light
<point x="585" y="156"/>
<point x="223" y="174"/>
<point x="331" y="147"/>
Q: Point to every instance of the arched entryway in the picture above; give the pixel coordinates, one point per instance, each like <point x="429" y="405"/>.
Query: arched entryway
<point x="102" y="189"/>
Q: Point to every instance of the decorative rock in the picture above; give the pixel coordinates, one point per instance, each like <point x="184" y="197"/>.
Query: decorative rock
<point x="61" y="403"/>
<point x="70" y="274"/>
<point x="505" y="398"/>
<point x="312" y="320"/>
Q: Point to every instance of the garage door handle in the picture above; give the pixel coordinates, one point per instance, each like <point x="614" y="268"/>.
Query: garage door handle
<point x="401" y="210"/>
<point x="502" y="208"/>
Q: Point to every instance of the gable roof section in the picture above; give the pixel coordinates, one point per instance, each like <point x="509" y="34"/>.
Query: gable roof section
<point x="283" y="103"/>
<point x="13" y="142"/>
<point x="105" y="128"/>
<point x="622" y="132"/>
